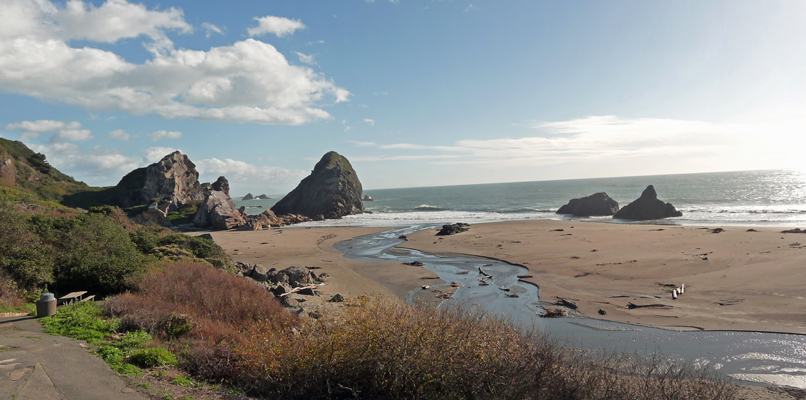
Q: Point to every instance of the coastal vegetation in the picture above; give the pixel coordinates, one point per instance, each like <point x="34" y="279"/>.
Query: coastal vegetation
<point x="223" y="329"/>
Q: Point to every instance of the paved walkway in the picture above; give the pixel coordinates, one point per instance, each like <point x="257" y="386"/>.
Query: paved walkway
<point x="38" y="366"/>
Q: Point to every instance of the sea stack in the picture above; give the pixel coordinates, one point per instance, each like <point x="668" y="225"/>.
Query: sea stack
<point x="598" y="204"/>
<point x="331" y="191"/>
<point x="647" y="207"/>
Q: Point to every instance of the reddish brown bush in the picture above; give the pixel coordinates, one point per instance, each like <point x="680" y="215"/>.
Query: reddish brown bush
<point x="217" y="304"/>
<point x="11" y="297"/>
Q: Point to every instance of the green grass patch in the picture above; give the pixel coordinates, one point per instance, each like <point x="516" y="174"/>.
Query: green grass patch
<point x="124" y="354"/>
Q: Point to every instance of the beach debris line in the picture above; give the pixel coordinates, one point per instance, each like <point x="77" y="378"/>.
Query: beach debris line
<point x="566" y="303"/>
<point x="452" y="229"/>
<point x="631" y="306"/>
<point x="553" y="313"/>
<point x="729" y="302"/>
<point x="796" y="230"/>
<point x="414" y="263"/>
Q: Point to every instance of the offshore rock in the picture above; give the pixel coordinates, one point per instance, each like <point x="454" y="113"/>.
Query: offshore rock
<point x="598" y="204"/>
<point x="173" y="179"/>
<point x="647" y="207"/>
<point x="218" y="211"/>
<point x="332" y="190"/>
<point x="248" y="197"/>
<point x="453" y="229"/>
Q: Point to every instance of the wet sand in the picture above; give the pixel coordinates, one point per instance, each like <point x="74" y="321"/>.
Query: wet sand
<point x="735" y="279"/>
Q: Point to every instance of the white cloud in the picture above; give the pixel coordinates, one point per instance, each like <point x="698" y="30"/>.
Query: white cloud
<point x="154" y="154"/>
<point x="115" y="20"/>
<point x="35" y="126"/>
<point x="370" y="122"/>
<point x="119" y="134"/>
<point x="98" y="166"/>
<point x="362" y="144"/>
<point x="28" y="136"/>
<point x="275" y="25"/>
<point x="623" y="146"/>
<point x="471" y="7"/>
<point x="72" y="135"/>
<point x="244" y="177"/>
<point x="249" y="81"/>
<point x="306" y="59"/>
<point x="160" y="135"/>
<point x="210" y="29"/>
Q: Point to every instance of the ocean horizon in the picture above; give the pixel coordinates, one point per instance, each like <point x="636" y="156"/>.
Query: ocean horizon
<point x="744" y="198"/>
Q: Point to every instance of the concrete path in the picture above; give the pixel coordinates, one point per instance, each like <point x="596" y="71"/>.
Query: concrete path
<point x="38" y="366"/>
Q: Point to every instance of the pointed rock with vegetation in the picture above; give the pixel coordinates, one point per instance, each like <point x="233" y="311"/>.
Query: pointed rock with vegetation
<point x="331" y="191"/>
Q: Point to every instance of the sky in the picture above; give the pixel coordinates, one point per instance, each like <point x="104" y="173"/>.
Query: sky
<point x="413" y="92"/>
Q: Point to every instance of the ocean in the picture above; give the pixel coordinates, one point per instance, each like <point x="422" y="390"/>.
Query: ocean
<point x="754" y="198"/>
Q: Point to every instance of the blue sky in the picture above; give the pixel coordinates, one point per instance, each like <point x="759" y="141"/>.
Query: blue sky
<point x="414" y="93"/>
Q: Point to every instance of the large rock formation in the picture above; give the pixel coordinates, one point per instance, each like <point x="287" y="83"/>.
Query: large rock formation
<point x="218" y="211"/>
<point x="598" y="204"/>
<point x="331" y="191"/>
<point x="647" y="207"/>
<point x="173" y="179"/>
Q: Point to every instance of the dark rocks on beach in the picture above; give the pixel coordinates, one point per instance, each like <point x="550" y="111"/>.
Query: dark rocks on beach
<point x="337" y="298"/>
<point x="332" y="190"/>
<point x="647" y="207"/>
<point x="598" y="204"/>
<point x="796" y="230"/>
<point x="452" y="229"/>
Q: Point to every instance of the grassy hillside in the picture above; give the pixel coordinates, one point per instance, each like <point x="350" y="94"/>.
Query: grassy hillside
<point x="33" y="173"/>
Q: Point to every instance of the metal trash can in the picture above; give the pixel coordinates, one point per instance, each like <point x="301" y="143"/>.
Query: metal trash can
<point x="46" y="305"/>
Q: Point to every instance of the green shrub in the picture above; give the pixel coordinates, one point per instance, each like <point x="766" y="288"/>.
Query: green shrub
<point x="94" y="253"/>
<point x="153" y="357"/>
<point x="201" y="248"/>
<point x="24" y="257"/>
<point x="116" y="358"/>
<point x="185" y="213"/>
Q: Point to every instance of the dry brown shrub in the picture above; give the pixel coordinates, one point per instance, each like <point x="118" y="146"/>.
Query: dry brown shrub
<point x="393" y="351"/>
<point x="11" y="297"/>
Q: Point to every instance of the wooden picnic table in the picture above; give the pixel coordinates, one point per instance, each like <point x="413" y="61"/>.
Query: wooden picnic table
<point x="72" y="297"/>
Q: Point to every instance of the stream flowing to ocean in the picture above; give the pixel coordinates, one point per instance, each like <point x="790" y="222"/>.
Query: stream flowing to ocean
<point x="765" y="358"/>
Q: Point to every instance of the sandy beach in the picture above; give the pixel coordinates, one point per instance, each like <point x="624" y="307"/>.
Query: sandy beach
<point x="735" y="279"/>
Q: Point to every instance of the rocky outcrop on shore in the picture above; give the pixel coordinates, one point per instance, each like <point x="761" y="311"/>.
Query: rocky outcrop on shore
<point x="222" y="185"/>
<point x="331" y="191"/>
<point x="8" y="171"/>
<point x="173" y="179"/>
<point x="267" y="219"/>
<point x="647" y="207"/>
<point x="598" y="204"/>
<point x="218" y="211"/>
